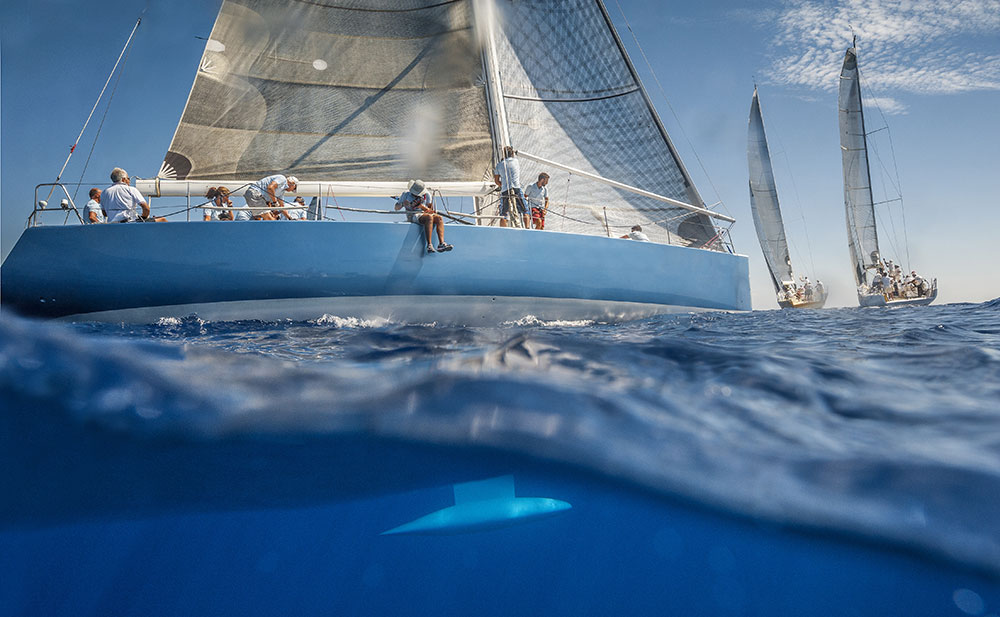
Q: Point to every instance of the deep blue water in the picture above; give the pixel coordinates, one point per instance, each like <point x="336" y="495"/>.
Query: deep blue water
<point x="836" y="462"/>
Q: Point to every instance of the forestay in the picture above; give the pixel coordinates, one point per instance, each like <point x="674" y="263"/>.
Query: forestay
<point x="764" y="200"/>
<point x="861" y="233"/>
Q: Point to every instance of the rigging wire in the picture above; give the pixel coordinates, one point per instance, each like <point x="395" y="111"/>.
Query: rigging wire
<point x="97" y="102"/>
<point x="896" y="183"/>
<point x="671" y="107"/>
<point x="97" y="135"/>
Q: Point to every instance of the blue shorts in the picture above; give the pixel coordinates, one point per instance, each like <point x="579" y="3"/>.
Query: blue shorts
<point x="512" y="195"/>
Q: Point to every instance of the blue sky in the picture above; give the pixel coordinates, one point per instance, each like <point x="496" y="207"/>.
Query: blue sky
<point x="933" y="70"/>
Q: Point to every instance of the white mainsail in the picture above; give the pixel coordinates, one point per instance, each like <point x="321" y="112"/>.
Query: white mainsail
<point x="862" y="236"/>
<point x="370" y="90"/>
<point x="387" y="90"/>
<point x="764" y="200"/>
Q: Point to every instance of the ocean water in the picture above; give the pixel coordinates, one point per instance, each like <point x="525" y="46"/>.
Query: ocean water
<point x="835" y="462"/>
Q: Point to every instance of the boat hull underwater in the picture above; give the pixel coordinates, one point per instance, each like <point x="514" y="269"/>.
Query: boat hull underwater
<point x="368" y="270"/>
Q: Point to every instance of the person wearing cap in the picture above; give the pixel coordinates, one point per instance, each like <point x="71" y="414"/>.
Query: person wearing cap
<point x="420" y="210"/>
<point x="508" y="177"/>
<point x="267" y="192"/>
<point x="537" y="196"/>
<point x="93" y="212"/>
<point x="122" y="202"/>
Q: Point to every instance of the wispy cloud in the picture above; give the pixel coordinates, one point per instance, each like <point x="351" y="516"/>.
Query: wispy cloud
<point x="905" y="46"/>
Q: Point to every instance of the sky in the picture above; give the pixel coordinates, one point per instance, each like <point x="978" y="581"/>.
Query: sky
<point x="931" y="69"/>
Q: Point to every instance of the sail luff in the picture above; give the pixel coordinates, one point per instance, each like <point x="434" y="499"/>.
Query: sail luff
<point x="764" y="200"/>
<point x="858" y="202"/>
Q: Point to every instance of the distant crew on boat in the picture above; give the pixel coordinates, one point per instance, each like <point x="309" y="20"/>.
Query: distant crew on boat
<point x="888" y="280"/>
<point x="122" y="202"/>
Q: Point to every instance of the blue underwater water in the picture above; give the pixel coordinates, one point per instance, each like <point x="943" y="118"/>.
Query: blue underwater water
<point x="835" y="462"/>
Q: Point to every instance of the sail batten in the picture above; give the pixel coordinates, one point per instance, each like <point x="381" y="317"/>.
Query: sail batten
<point x="764" y="200"/>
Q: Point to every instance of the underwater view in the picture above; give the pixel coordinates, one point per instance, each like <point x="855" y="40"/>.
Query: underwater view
<point x="836" y="462"/>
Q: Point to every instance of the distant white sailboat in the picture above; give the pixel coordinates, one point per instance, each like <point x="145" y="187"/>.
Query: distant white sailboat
<point x="767" y="220"/>
<point x="862" y="233"/>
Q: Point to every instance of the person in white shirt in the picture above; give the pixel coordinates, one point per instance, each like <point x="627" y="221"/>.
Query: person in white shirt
<point x="537" y="196"/>
<point x="93" y="212"/>
<point x="298" y="213"/>
<point x="122" y="202"/>
<point x="219" y="196"/>
<point x="419" y="209"/>
<point x="636" y="234"/>
<point x="508" y="177"/>
<point x="267" y="192"/>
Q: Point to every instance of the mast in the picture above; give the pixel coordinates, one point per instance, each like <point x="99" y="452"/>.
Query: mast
<point x="486" y="23"/>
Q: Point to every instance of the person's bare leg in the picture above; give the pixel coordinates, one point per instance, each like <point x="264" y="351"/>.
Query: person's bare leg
<point x="427" y="221"/>
<point x="439" y="223"/>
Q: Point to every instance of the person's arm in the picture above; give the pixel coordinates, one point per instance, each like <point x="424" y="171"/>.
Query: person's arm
<point x="145" y="209"/>
<point x="93" y="217"/>
<point x="496" y="179"/>
<point x="546" y="204"/>
<point x="271" y="188"/>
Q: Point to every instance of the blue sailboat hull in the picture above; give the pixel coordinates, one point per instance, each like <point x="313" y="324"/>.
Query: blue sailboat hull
<point x="303" y="270"/>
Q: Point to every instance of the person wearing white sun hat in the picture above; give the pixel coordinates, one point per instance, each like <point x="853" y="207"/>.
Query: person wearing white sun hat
<point x="420" y="210"/>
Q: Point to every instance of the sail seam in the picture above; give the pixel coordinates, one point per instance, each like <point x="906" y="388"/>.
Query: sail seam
<point x="366" y="10"/>
<point x="566" y="100"/>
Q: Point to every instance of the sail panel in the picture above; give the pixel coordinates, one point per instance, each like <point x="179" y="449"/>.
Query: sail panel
<point x="364" y="90"/>
<point x="764" y="200"/>
<point x="861" y="233"/>
<point x="571" y="96"/>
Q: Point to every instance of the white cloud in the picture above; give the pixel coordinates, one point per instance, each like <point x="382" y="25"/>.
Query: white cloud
<point x="905" y="46"/>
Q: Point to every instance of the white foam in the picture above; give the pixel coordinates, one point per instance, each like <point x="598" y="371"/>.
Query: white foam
<point x="351" y="322"/>
<point x="531" y="320"/>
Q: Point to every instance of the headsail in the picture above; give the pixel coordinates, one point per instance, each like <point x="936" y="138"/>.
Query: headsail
<point x="862" y="236"/>
<point x="764" y="200"/>
<point x="571" y="95"/>
<point x="379" y="91"/>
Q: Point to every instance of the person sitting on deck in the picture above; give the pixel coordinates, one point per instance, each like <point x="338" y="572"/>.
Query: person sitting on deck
<point x="508" y="177"/>
<point x="298" y="213"/>
<point x="267" y="192"/>
<point x="93" y="212"/>
<point x="122" y="202"/>
<point x="219" y="196"/>
<point x="537" y="196"/>
<point x="636" y="234"/>
<point x="420" y="210"/>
